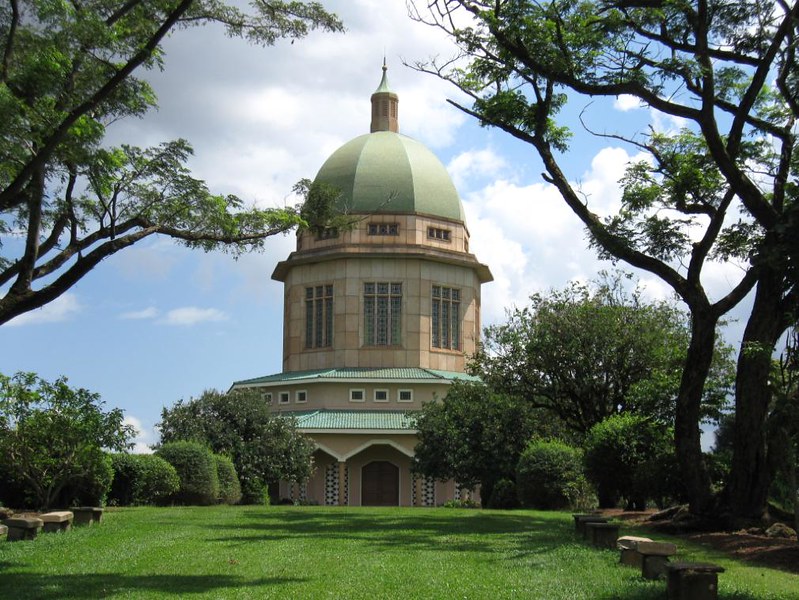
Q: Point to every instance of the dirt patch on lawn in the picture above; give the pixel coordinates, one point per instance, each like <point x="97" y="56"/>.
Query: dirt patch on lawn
<point x="760" y="550"/>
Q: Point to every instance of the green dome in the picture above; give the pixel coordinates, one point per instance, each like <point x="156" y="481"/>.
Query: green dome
<point x="386" y="172"/>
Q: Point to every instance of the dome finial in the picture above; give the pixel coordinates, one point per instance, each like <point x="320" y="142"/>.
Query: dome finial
<point x="384" y="105"/>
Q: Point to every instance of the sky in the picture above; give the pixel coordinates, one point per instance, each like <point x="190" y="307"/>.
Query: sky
<point x="157" y="323"/>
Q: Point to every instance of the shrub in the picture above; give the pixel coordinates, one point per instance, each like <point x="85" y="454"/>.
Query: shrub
<point x="142" y="479"/>
<point x="622" y="454"/>
<point x="503" y="495"/>
<point x="91" y="488"/>
<point x="196" y="468"/>
<point x="549" y="475"/>
<point x="229" y="487"/>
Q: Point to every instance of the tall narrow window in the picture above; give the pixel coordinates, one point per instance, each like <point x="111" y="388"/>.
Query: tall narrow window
<point x="319" y="316"/>
<point x="446" y="318"/>
<point x="382" y="303"/>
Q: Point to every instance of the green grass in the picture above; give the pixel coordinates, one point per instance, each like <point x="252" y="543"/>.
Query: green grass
<point x="316" y="552"/>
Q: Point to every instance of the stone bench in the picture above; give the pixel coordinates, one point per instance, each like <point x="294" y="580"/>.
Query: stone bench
<point x="57" y="521"/>
<point x="628" y="545"/>
<point x="86" y="515"/>
<point x="602" y="535"/>
<point x="654" y="558"/>
<point x="23" y="528"/>
<point x="3" y="530"/>
<point x="581" y="520"/>
<point x="693" y="581"/>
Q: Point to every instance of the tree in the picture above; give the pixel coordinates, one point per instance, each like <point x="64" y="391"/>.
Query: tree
<point x="473" y="436"/>
<point x="53" y="436"/>
<point x="66" y="75"/>
<point x="584" y="354"/>
<point x="722" y="187"/>
<point x="783" y="450"/>
<point x="628" y="456"/>
<point x="264" y="448"/>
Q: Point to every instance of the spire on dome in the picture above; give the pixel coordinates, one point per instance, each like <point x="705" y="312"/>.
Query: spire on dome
<point x="385" y="105"/>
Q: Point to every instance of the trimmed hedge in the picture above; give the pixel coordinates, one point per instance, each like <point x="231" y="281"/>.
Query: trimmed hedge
<point x="229" y="486"/>
<point x="196" y="467"/>
<point x="142" y="479"/>
<point x="549" y="475"/>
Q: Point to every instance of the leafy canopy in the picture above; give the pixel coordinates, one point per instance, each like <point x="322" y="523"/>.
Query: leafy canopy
<point x="68" y="199"/>
<point x="473" y="436"/>
<point x="583" y="354"/>
<point x="52" y="435"/>
<point x="264" y="447"/>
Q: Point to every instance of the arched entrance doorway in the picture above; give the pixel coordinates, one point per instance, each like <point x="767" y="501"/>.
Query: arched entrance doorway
<point x="380" y="484"/>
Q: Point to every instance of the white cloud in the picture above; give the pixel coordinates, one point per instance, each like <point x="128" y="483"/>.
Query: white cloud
<point x="192" y="315"/>
<point x="63" y="308"/>
<point x="144" y="436"/>
<point x="475" y="164"/>
<point x="626" y="102"/>
<point x="146" y="313"/>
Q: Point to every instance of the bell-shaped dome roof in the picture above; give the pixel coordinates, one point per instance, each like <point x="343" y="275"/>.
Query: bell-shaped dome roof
<point x="386" y="172"/>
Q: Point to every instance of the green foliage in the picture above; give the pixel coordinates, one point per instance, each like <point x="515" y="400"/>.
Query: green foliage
<point x="264" y="447"/>
<point x="52" y="436"/>
<point x="722" y="186"/>
<point x="503" y="495"/>
<point x="66" y="77"/>
<point x="473" y="436"/>
<point x="550" y="475"/>
<point x="583" y="354"/>
<point x="229" y="487"/>
<point x="196" y="467"/>
<point x="92" y="488"/>
<point x="142" y="479"/>
<point x="628" y="456"/>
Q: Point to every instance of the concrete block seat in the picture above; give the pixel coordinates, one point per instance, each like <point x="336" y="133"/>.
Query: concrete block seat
<point x="581" y="520"/>
<point x="693" y="581"/>
<point x="23" y="528"/>
<point x="602" y="535"/>
<point x="57" y="521"/>
<point x="654" y="558"/>
<point x="86" y="515"/>
<point x="628" y="545"/>
<point x="3" y="530"/>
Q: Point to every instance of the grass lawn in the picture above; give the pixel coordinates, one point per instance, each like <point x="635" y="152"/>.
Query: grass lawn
<point x="318" y="552"/>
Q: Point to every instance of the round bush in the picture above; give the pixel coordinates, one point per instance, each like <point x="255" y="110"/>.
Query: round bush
<point x="503" y="495"/>
<point x="229" y="486"/>
<point x="127" y="471"/>
<point x="90" y="488"/>
<point x="196" y="468"/>
<point x="620" y="456"/>
<point x="549" y="475"/>
<point x="142" y="479"/>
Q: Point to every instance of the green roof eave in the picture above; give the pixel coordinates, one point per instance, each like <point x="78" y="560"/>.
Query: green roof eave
<point x="353" y="420"/>
<point x="357" y="374"/>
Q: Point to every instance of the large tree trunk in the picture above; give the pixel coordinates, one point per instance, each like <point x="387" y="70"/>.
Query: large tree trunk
<point x="687" y="435"/>
<point x="749" y="476"/>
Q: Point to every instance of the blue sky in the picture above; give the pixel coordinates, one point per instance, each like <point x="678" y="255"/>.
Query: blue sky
<point x="157" y="323"/>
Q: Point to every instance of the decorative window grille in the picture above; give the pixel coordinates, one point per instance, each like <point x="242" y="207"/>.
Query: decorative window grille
<point x="383" y="229"/>
<point x="434" y="233"/>
<point x="331" y="484"/>
<point x="382" y="303"/>
<point x="446" y="318"/>
<point x="428" y="491"/>
<point x="319" y="316"/>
